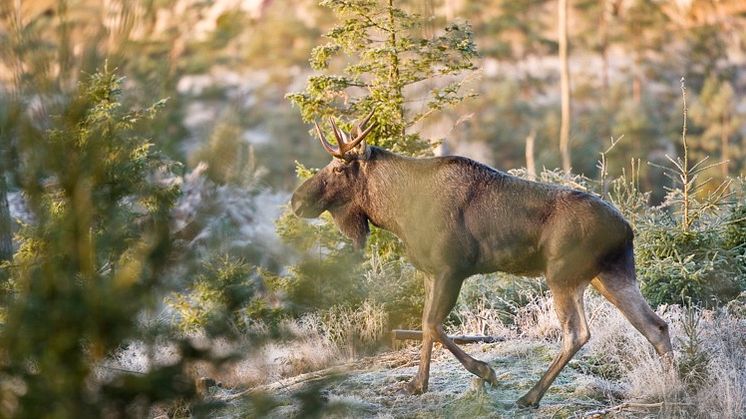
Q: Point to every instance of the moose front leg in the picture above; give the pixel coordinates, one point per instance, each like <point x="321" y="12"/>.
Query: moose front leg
<point x="418" y="384"/>
<point x="441" y="295"/>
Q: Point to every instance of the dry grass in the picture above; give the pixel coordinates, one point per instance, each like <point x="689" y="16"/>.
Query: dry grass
<point x="710" y="350"/>
<point x="314" y="342"/>
<point x="536" y="320"/>
<point x="354" y="332"/>
<point x="480" y="319"/>
<point x="709" y="347"/>
<point x="617" y="373"/>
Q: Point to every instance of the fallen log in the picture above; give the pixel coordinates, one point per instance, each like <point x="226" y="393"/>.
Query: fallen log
<point x="288" y="385"/>
<point x="402" y="334"/>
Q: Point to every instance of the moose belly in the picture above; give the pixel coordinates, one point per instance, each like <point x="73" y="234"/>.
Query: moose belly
<point x="527" y="263"/>
<point x="469" y="255"/>
<point x="515" y="255"/>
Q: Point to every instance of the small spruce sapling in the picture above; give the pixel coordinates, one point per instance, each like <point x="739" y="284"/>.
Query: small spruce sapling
<point x="376" y="58"/>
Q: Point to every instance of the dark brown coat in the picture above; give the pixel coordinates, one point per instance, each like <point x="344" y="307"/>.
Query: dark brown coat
<point x="458" y="217"/>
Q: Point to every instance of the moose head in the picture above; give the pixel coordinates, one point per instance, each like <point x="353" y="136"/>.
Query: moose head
<point x="337" y="187"/>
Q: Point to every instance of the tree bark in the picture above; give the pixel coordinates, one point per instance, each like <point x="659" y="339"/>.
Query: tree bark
<point x="395" y="76"/>
<point x="725" y="145"/>
<point x="564" y="86"/>
<point x="530" y="161"/>
<point x="6" y="234"/>
<point x="603" y="30"/>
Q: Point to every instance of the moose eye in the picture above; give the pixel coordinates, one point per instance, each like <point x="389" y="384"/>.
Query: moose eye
<point x="339" y="169"/>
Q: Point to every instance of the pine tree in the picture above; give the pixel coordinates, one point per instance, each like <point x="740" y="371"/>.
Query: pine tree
<point x="89" y="265"/>
<point x="6" y="233"/>
<point x="384" y="59"/>
<point x="376" y="59"/>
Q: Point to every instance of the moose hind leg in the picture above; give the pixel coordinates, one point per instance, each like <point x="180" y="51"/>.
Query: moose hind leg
<point x="569" y="307"/>
<point x="621" y="288"/>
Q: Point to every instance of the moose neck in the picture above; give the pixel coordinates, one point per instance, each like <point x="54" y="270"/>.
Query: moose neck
<point x="353" y="223"/>
<point x="390" y="180"/>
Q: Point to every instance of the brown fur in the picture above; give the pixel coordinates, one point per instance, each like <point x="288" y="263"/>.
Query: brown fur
<point x="458" y="217"/>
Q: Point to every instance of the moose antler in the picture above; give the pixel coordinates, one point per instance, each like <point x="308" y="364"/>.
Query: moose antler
<point x="345" y="144"/>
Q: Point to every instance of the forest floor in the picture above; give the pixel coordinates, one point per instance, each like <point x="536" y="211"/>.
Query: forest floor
<point x="373" y="387"/>
<point x="616" y="374"/>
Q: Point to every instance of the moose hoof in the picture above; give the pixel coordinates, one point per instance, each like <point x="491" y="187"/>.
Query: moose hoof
<point x="491" y="377"/>
<point x="526" y="401"/>
<point x="415" y="387"/>
<point x="486" y="373"/>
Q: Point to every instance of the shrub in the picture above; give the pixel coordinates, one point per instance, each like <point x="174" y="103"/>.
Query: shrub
<point x="355" y="331"/>
<point x="734" y="236"/>
<point x="88" y="267"/>
<point x="328" y="271"/>
<point x="218" y="297"/>
<point x="398" y="288"/>
<point x="498" y="297"/>
<point x="692" y="266"/>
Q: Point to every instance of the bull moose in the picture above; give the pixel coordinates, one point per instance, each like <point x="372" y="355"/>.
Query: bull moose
<point x="457" y="217"/>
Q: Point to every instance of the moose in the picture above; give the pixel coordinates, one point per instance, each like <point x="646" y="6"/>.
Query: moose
<point x="457" y="218"/>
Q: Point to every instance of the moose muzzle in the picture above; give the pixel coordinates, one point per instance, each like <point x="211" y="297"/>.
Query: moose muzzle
<point x="304" y="205"/>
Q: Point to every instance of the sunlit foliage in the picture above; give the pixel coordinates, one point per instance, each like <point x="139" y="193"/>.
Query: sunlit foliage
<point x="89" y="266"/>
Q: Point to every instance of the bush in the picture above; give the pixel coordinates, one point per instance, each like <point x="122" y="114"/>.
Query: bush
<point x="355" y="331"/>
<point x="734" y="237"/>
<point x="89" y="266"/>
<point x="696" y="266"/>
<point x="218" y="297"/>
<point x="398" y="287"/>
<point x="498" y="296"/>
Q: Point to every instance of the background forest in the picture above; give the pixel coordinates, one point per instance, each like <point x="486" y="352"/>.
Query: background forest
<point x="148" y="150"/>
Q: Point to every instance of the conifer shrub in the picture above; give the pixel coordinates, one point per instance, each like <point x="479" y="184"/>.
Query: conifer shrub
<point x="376" y="58"/>
<point x="698" y="266"/>
<point x="89" y="266"/>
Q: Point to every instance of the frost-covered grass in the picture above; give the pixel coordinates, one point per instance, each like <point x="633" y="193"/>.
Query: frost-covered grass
<point x="310" y="343"/>
<point x="617" y="372"/>
<point x="709" y="347"/>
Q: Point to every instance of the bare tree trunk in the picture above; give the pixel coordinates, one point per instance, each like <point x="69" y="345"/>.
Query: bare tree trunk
<point x="395" y="76"/>
<point x="451" y="9"/>
<point x="530" y="161"/>
<point x="603" y="30"/>
<point x="564" y="86"/>
<point x="6" y="235"/>
<point x="725" y="145"/>
<point x="637" y="89"/>
<point x="606" y="16"/>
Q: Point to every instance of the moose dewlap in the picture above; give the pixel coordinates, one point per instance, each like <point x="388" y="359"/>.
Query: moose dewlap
<point x="458" y="218"/>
